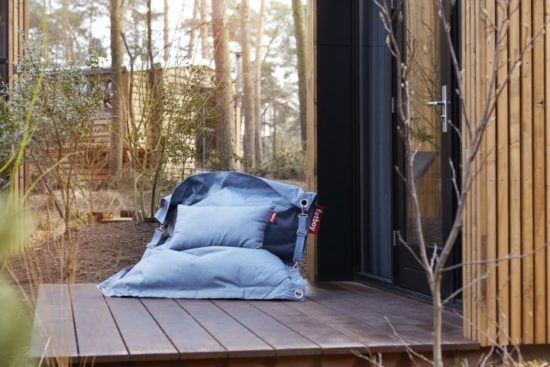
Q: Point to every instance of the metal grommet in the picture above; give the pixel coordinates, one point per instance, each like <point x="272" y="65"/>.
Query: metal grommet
<point x="298" y="293"/>
<point x="304" y="203"/>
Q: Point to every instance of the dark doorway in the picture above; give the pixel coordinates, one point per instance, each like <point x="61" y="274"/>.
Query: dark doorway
<point x="432" y="103"/>
<point x="358" y="148"/>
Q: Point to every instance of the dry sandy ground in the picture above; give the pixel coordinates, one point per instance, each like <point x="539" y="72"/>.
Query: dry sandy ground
<point x="100" y="251"/>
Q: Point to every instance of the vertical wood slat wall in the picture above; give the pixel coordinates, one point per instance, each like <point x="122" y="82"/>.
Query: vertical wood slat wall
<point x="507" y="216"/>
<point x="311" y="253"/>
<point x="18" y="25"/>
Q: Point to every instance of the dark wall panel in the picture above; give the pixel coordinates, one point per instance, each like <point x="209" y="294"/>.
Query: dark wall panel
<point x="334" y="154"/>
<point x="354" y="149"/>
<point x="3" y="29"/>
<point x="3" y="41"/>
<point x="334" y="24"/>
<point x="336" y="123"/>
<point x="378" y="160"/>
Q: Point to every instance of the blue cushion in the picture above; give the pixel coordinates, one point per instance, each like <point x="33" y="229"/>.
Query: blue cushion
<point x="235" y="226"/>
<point x="208" y="272"/>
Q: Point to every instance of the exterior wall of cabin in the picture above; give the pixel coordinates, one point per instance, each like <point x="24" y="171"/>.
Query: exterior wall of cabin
<point x="507" y="221"/>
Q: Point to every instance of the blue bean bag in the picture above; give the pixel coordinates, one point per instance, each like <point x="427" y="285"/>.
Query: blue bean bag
<point x="223" y="235"/>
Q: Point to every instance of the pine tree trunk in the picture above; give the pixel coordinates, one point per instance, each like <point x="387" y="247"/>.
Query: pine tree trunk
<point x="258" y="83"/>
<point x="191" y="44"/>
<point x="149" y="19"/>
<point x="224" y="95"/>
<point x="204" y="31"/>
<point x="166" y="32"/>
<point x="67" y="39"/>
<point x="117" y="130"/>
<point x="248" y="87"/>
<point x="300" y="34"/>
<point x="154" y="98"/>
<point x="274" y="136"/>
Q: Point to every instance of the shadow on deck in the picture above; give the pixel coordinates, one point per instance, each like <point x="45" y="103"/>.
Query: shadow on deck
<point x="337" y="320"/>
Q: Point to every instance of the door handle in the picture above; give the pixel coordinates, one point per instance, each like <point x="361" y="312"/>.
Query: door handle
<point x="444" y="103"/>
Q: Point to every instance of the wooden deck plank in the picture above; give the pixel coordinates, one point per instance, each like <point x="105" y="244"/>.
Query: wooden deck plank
<point x="285" y="341"/>
<point x="365" y="300"/>
<point x="96" y="331"/>
<point x="143" y="337"/>
<point x="412" y="321"/>
<point x="53" y="332"/>
<point x="409" y="330"/>
<point x="377" y="339"/>
<point x="329" y="339"/>
<point x="179" y="326"/>
<point x="337" y="298"/>
<point x="233" y="336"/>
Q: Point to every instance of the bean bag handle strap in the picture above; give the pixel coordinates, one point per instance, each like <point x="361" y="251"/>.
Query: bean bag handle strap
<point x="301" y="234"/>
<point x="160" y="233"/>
<point x="158" y="236"/>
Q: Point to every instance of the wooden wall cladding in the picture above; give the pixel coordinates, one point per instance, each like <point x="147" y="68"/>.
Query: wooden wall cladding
<point x="311" y="154"/>
<point x="507" y="217"/>
<point x="17" y="27"/>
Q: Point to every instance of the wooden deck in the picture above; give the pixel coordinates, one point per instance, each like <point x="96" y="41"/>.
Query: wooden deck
<point x="337" y="319"/>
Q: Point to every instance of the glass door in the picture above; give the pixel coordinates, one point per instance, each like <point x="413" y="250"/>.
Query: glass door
<point x="428" y="69"/>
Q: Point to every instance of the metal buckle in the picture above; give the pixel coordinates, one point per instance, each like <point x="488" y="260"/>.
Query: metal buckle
<point x="303" y="205"/>
<point x="298" y="293"/>
<point x="162" y="229"/>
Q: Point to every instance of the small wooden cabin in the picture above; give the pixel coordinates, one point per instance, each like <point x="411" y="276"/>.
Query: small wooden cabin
<point x="354" y="148"/>
<point x="140" y="114"/>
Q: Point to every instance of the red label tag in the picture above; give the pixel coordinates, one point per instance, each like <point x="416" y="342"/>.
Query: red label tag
<point x="273" y="217"/>
<point x="316" y="219"/>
